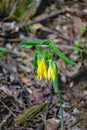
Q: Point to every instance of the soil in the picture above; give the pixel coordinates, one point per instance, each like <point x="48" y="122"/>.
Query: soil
<point x="19" y="86"/>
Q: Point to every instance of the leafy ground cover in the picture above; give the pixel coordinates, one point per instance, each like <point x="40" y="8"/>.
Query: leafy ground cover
<point x="20" y="90"/>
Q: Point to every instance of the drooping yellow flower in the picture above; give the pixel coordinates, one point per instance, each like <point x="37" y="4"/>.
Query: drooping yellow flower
<point x="41" y="71"/>
<point x="51" y="74"/>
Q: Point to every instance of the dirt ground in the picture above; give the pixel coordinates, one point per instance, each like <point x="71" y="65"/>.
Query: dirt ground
<point x="19" y="86"/>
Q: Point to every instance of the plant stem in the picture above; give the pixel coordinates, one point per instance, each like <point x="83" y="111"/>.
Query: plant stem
<point x="61" y="110"/>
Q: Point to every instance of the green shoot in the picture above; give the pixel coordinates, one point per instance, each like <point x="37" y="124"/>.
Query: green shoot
<point x="45" y="65"/>
<point x="3" y="51"/>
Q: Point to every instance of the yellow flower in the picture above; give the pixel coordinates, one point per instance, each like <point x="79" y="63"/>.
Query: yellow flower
<point x="41" y="71"/>
<point x="51" y="74"/>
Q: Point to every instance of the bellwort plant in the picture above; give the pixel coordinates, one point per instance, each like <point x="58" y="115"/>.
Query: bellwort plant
<point x="45" y="65"/>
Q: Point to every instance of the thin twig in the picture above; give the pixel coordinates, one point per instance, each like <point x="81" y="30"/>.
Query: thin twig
<point x="56" y="33"/>
<point x="5" y="120"/>
<point x="14" y="7"/>
<point x="8" y="108"/>
<point x="54" y="14"/>
<point x="51" y="15"/>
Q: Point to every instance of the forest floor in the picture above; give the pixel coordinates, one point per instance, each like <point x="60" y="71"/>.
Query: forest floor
<point x="63" y="26"/>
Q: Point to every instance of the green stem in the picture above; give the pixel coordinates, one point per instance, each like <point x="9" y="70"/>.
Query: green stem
<point x="61" y="110"/>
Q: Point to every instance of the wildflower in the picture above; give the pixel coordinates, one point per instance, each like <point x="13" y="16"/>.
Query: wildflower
<point x="51" y="73"/>
<point x="41" y="71"/>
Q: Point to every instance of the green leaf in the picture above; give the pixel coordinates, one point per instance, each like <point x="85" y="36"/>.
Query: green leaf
<point x="62" y="56"/>
<point x="83" y="29"/>
<point x="2" y="54"/>
<point x="55" y="82"/>
<point x="76" y="47"/>
<point x="82" y="40"/>
<point x="3" y="51"/>
<point x="30" y="5"/>
<point x="31" y="28"/>
<point x="50" y="43"/>
<point x="32" y="43"/>
<point x="30" y="113"/>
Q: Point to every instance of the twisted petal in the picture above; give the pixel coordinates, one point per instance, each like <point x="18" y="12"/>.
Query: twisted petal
<point x="51" y="74"/>
<point x="41" y="71"/>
